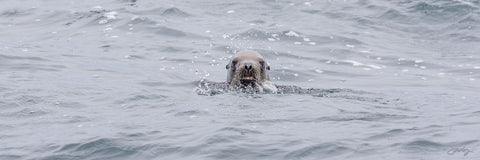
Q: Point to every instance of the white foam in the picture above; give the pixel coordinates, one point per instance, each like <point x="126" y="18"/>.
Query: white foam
<point x="134" y="18"/>
<point x="103" y="21"/>
<point x="225" y="36"/>
<point x="318" y="71"/>
<point x="365" y="51"/>
<point x="419" y="61"/>
<point x="269" y="87"/>
<point x="355" y="63"/>
<point x="291" y="34"/>
<point x="374" y="66"/>
<point x="110" y="15"/>
<point x="467" y="3"/>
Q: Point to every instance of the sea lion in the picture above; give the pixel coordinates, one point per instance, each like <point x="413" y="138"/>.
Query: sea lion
<point x="248" y="68"/>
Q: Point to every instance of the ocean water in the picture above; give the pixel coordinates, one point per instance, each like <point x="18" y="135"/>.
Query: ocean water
<point x="125" y="79"/>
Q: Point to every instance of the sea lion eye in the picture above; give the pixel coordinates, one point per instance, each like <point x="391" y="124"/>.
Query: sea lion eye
<point x="234" y="62"/>
<point x="262" y="63"/>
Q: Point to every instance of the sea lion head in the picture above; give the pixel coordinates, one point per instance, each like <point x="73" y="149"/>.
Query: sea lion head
<point x="247" y="68"/>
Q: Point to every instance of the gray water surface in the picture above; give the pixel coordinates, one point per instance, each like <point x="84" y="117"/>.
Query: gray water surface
<point x="119" y="79"/>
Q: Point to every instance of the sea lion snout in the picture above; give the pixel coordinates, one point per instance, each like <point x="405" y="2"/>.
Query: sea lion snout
<point x="248" y="73"/>
<point x="248" y="66"/>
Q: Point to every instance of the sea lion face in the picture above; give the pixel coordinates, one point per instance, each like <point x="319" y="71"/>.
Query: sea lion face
<point x="247" y="68"/>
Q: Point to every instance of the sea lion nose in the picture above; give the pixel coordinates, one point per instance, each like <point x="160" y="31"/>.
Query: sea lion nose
<point x="248" y="66"/>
